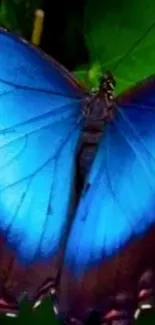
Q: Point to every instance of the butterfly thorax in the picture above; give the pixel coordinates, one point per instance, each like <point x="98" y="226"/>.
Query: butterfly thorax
<point x="100" y="102"/>
<point x="98" y="110"/>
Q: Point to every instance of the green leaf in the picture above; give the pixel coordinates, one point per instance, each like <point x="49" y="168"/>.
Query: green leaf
<point x="111" y="30"/>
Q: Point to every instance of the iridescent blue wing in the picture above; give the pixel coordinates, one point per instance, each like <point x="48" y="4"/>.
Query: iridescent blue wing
<point x="105" y="252"/>
<point x="40" y="124"/>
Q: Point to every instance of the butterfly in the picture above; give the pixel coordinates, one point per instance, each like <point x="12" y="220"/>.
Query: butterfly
<point x="77" y="189"/>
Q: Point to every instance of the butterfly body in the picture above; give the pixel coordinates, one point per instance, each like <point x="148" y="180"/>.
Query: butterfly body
<point x="98" y="109"/>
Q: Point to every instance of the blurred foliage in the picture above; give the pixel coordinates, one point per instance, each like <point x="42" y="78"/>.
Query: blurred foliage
<point x="18" y="15"/>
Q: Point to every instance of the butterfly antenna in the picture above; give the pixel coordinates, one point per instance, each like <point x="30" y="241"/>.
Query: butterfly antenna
<point x="134" y="46"/>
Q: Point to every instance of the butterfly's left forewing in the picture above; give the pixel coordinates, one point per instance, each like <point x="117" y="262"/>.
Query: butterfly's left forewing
<point x="113" y="231"/>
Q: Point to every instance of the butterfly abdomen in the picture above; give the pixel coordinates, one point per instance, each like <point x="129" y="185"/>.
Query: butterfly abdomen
<point x="91" y="135"/>
<point x="88" y="144"/>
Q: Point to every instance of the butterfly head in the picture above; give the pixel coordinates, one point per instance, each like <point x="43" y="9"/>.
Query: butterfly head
<point x="108" y="84"/>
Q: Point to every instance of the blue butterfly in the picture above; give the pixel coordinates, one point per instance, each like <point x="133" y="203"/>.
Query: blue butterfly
<point x="97" y="241"/>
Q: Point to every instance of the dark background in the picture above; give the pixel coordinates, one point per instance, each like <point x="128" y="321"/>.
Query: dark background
<point x="63" y="34"/>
